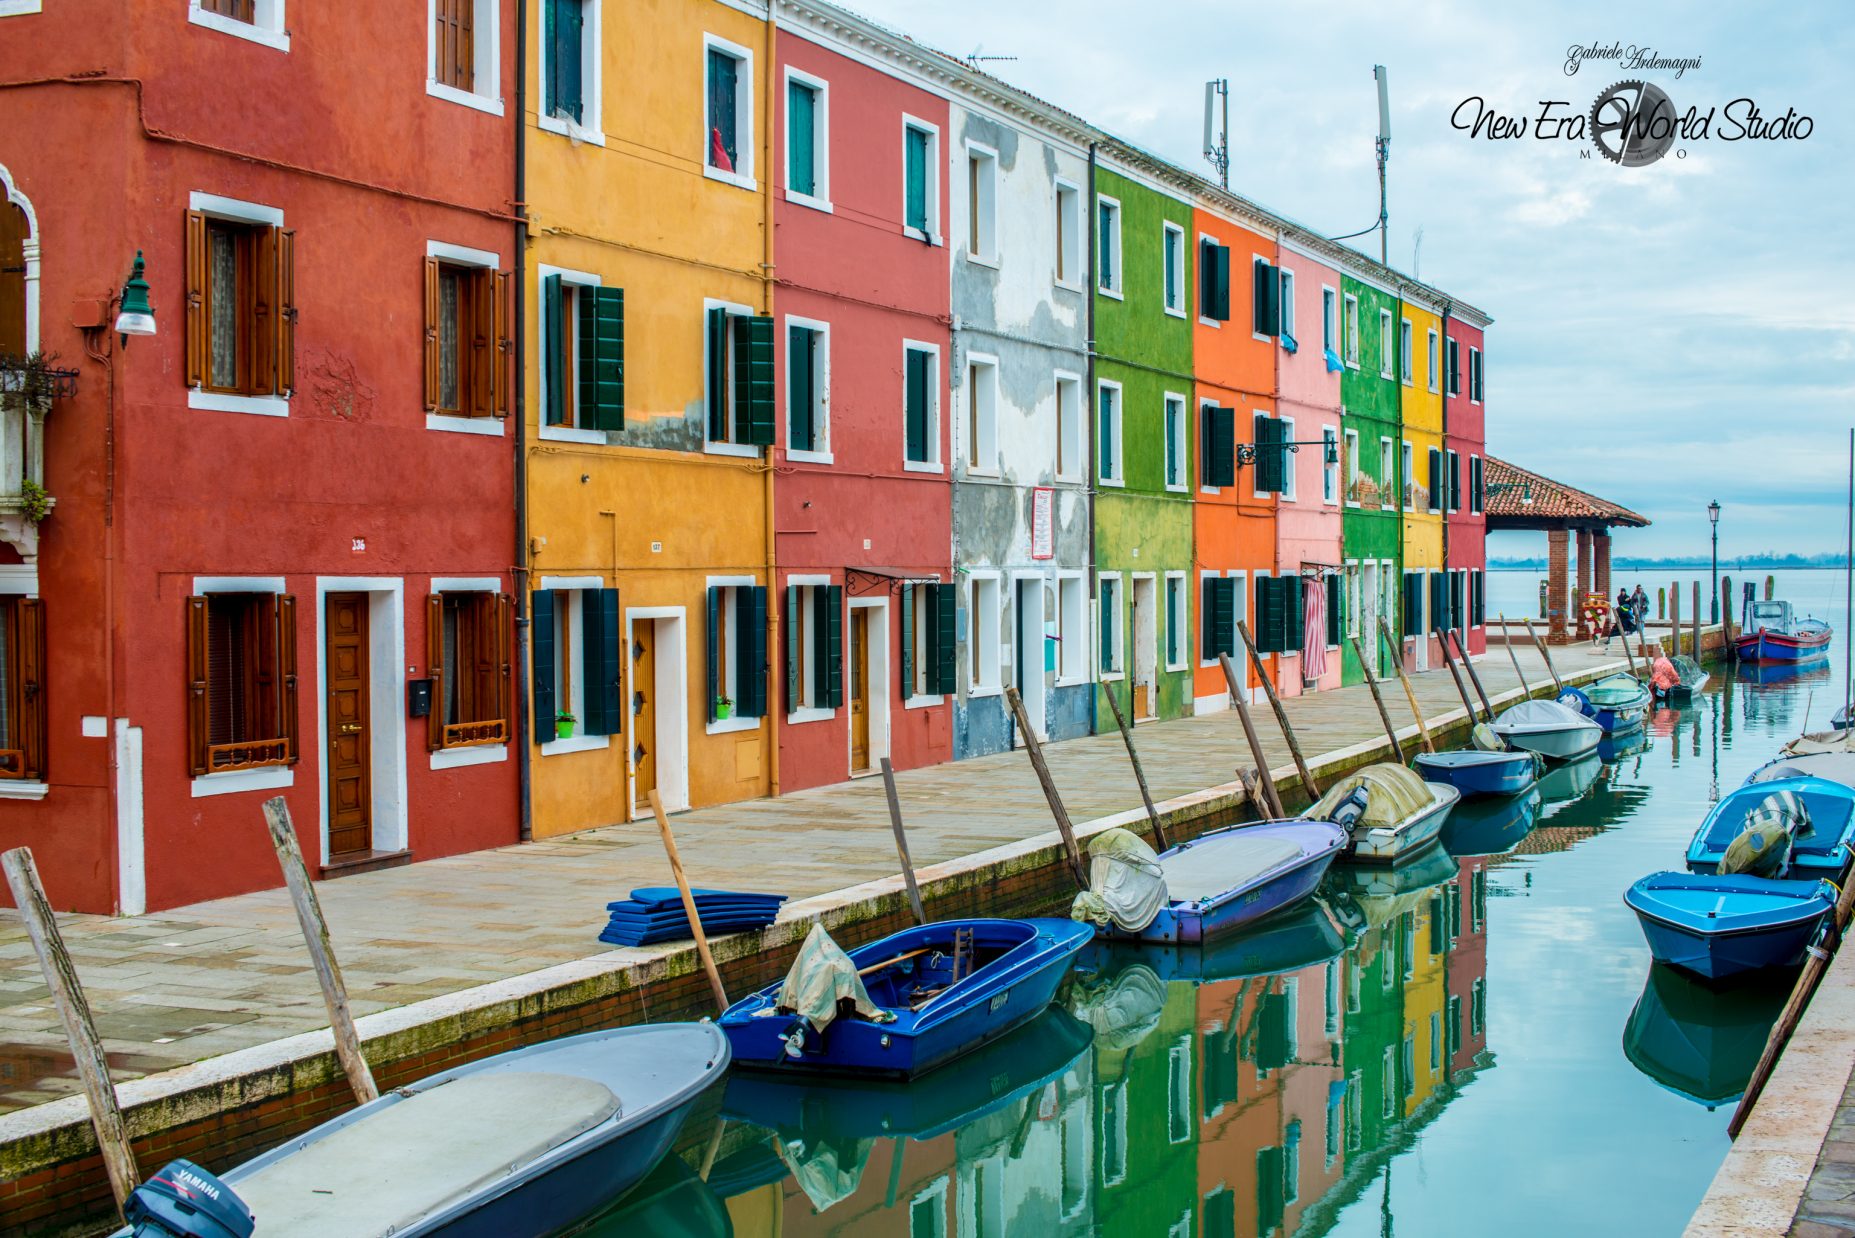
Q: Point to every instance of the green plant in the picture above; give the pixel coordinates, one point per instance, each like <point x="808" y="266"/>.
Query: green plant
<point x="34" y="501"/>
<point x="38" y="377"/>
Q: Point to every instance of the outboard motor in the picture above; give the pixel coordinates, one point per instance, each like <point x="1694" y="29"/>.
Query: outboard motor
<point x="185" y="1201"/>
<point x="1347" y="812"/>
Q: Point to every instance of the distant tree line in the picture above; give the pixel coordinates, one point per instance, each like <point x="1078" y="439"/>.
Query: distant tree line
<point x="1768" y="560"/>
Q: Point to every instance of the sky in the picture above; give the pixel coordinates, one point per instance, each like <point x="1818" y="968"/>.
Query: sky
<point x="1663" y="335"/>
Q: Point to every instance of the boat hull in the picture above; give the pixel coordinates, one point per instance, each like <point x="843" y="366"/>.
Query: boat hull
<point x="1204" y="919"/>
<point x="1768" y="646"/>
<point x="1567" y="744"/>
<point x="1726" y="943"/>
<point x="1500" y="773"/>
<point x="1379" y="845"/>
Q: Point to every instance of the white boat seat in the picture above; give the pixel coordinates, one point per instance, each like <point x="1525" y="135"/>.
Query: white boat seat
<point x="1209" y="869"/>
<point x="379" y="1175"/>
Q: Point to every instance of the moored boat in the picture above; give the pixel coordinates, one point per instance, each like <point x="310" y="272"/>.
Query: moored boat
<point x="1473" y="772"/>
<point x="1615" y="702"/>
<point x="1719" y="926"/>
<point x="1693" y="679"/>
<point x="1828" y="754"/>
<point x="1772" y="633"/>
<point x="1820" y="846"/>
<point x="1548" y="728"/>
<point x="1389" y="811"/>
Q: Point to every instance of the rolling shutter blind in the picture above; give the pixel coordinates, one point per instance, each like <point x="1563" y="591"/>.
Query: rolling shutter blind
<point x="602" y="662"/>
<point x="753" y="380"/>
<point x="1220" y="446"/>
<point x="541" y="646"/>
<point x="944" y="681"/>
<point x="1439" y="484"/>
<point x="602" y="358"/>
<point x="718" y="376"/>
<point x="713" y="660"/>
<point x="828" y="609"/>
<point x="801" y="123"/>
<point x="554" y="348"/>
<point x="750" y="673"/>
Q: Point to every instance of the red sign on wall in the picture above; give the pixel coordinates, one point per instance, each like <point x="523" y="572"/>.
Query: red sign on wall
<point x="1043" y="523"/>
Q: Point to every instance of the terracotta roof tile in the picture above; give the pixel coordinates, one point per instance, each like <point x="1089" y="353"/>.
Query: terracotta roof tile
<point x="1512" y="491"/>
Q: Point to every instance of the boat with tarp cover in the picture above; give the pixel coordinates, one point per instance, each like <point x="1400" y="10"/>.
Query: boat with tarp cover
<point x="1555" y="731"/>
<point x="1615" y="702"/>
<point x="1817" y="814"/>
<point x="1389" y="812"/>
<point x="1827" y="754"/>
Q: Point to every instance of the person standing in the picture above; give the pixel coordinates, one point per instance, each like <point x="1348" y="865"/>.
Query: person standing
<point x="1641" y="600"/>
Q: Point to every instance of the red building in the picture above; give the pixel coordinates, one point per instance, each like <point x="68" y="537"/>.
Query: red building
<point x="287" y="515"/>
<point x="863" y="502"/>
<point x="1466" y="908"/>
<point x="1465" y="444"/>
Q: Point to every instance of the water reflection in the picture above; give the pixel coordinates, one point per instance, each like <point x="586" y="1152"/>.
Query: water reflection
<point x="1701" y="1041"/>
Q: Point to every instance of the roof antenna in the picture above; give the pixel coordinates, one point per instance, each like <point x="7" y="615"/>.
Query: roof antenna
<point x="974" y="58"/>
<point x="1417" y="254"/>
<point x="1384" y="153"/>
<point x="1217" y="127"/>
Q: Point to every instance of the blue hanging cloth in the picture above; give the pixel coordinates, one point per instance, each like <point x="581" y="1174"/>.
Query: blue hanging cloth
<point x="1288" y="342"/>
<point x="1334" y="363"/>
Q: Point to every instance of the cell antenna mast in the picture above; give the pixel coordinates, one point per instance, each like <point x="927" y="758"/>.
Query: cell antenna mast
<point x="1217" y="127"/>
<point x="1384" y="152"/>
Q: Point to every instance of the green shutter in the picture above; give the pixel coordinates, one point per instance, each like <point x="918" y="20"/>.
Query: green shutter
<point x="1336" y="618"/>
<point x="1294" y="614"/>
<point x="908" y="642"/>
<point x="1175" y="450"/>
<point x="1220" y="446"/>
<point x="1269" y="1163"/>
<point x="1455" y="481"/>
<point x="1271" y="456"/>
<point x="553" y="349"/>
<point x="753" y="379"/>
<point x="601" y="662"/>
<point x="1169" y="241"/>
<point x="829" y="657"/>
<point x="718" y="375"/>
<point x="1108" y="624"/>
<point x="1413" y="604"/>
<point x="714" y="649"/>
<point x="801" y="361"/>
<point x="801" y="158"/>
<point x="541" y="644"/>
<point x="795" y="607"/>
<point x="1268" y="614"/>
<point x="602" y="358"/>
<point x="945" y="680"/>
<point x="915" y="405"/>
<point x="1220" y="616"/>
<point x="1105" y="410"/>
<point x="1266" y="296"/>
<point x="564" y="33"/>
<point x="750" y="650"/>
<point x="1107" y="276"/>
<point x="915" y="151"/>
<point x="1220" y="1206"/>
<point x="1214" y="281"/>
<point x="1439" y="485"/>
<point x="1478" y="586"/>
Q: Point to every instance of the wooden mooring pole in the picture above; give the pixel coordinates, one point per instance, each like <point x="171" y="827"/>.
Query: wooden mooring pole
<point x="901" y="841"/>
<point x="1558" y="685"/>
<point x="1035" y="751"/>
<point x="1674" y="617"/>
<point x="1378" y="699"/>
<point x="1272" y="800"/>
<point x="1468" y="664"/>
<point x="1507" y="639"/>
<point x="80" y="1030"/>
<point x="689" y="902"/>
<point x="1410" y="694"/>
<point x="1133" y="755"/>
<point x="1696" y="620"/>
<point x="321" y="950"/>
<point x="1308" y="784"/>
<point x="1462" y="688"/>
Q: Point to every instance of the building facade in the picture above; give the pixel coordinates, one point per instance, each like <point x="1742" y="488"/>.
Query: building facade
<point x="1373" y="526"/>
<point x="1426" y="490"/>
<point x="1465" y="420"/>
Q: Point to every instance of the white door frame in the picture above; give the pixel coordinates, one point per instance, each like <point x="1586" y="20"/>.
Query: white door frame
<point x="386" y="717"/>
<point x="1145" y="651"/>
<point x="1027" y="654"/>
<point x="670" y="641"/>
<point x="878" y="634"/>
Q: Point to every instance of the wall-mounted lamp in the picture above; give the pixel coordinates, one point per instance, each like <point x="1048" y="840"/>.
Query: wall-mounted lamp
<point x="137" y="316"/>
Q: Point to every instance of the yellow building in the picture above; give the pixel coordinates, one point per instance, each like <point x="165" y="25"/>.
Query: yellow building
<point x="649" y="396"/>
<point x="1426" y="1000"/>
<point x="1426" y="480"/>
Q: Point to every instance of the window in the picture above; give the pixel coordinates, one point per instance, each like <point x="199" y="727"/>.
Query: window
<point x="808" y="140"/>
<point x="983" y="635"/>
<point x="1219" y="617"/>
<point x="1430" y="373"/>
<point x="241" y="672"/>
<point x="1438" y="496"/>
<point x="1069" y="450"/>
<point x="1414" y="624"/>
<point x="921" y="407"/>
<point x="1478" y="598"/>
<point x="22" y="689"/>
<point x="1172" y="256"/>
<point x="808" y="389"/>
<point x="738" y="361"/>
<point x="1069" y="259"/>
<point x="928" y="662"/>
<point x="1108" y="244"/>
<point x="1179" y="1096"/>
<point x="729" y="140"/>
<point x="920" y="180"/>
<point x="1266" y="298"/>
<point x="1351" y="330"/>
<point x="1356" y="480"/>
<point x="927" y="1212"/>
<point x="241" y="305"/>
<point x="1454" y="353"/>
<point x="468" y="658"/>
<point x="1289" y="456"/>
<point x="1175" y="443"/>
<point x="1108" y="431"/>
<point x="463" y="62"/>
<point x="579" y="663"/>
<point x="1455" y="481"/>
<point x="1178" y="623"/>
<point x="237" y="10"/>
<point x="1475" y="375"/>
<point x="981" y="203"/>
<point x="1213" y="280"/>
<point x="1286" y="283"/>
<point x="1355" y="605"/>
<point x="1404" y="352"/>
<point x="736" y="662"/>
<point x="1072" y="632"/>
<point x="981" y="413"/>
<point x="583" y="361"/>
<point x="814" y="655"/>
<point x="1280" y="620"/>
<point x="1387" y="476"/>
<point x="1329" y="465"/>
<point x="260" y="21"/>
<point x="1409" y="475"/>
<point x="570" y="68"/>
<point x="1329" y="330"/>
<point x="1112" y="1139"/>
<point x="1333" y="596"/>
<point x="1475" y="484"/>
<point x="467" y="342"/>
<point x="1271" y="472"/>
<point x="1386" y="355"/>
<point x="1217" y="452"/>
<point x="1108" y="625"/>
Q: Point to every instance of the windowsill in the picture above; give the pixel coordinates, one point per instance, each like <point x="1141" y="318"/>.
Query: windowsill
<point x="1260" y="338"/>
<point x="1116" y="293"/>
<point x="809" y="457"/>
<point x="1334" y="503"/>
<point x="1116" y="482"/>
<point x="570" y="434"/>
<point x="1073" y="479"/>
<point x="1433" y="391"/>
<point x="746" y="451"/>
<point x="916" y="234"/>
<point x="1355" y="506"/>
<point x="1067" y="285"/>
<point x="18" y="8"/>
<point x="1352" y="365"/>
<point x="918" y="466"/>
<point x="475" y="754"/>
<point x="464" y="425"/>
<point x="733" y="726"/>
<point x="249" y="31"/>
<point x="923" y="702"/>
<point x="263" y="778"/>
<point x="221" y="402"/>
<point x="983" y="260"/>
<point x="730" y="178"/>
<point x="20" y="788"/>
<point x="1112" y="676"/>
<point x="467" y="98"/>
<point x="1216" y="324"/>
<point x="806" y="200"/>
<point x="1174" y="667"/>
<point x="1174" y="313"/>
<point x="1075" y="682"/>
<point x="572" y="130"/>
<point x="979" y="691"/>
<point x="575" y="743"/>
<point x="810" y="713"/>
<point x="990" y="474"/>
<point x="1179" y="489"/>
<point x="1386" y="375"/>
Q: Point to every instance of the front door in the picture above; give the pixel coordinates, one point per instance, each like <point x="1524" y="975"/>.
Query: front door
<point x="350" y="755"/>
<point x="1146" y="650"/>
<point x="1029" y="655"/>
<point x="643" y="710"/>
<point x="859" y="689"/>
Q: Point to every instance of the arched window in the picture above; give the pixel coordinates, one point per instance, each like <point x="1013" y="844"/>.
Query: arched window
<point x="19" y="271"/>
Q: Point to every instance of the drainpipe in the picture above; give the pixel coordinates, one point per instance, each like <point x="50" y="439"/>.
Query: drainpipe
<point x="1442" y="355"/>
<point x="774" y="643"/>
<point x="525" y="694"/>
<point x="1090" y="412"/>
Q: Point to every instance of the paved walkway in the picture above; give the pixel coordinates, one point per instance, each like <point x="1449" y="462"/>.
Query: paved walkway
<point x="194" y="982"/>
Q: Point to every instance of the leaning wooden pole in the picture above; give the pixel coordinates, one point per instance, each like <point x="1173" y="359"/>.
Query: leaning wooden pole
<point x="321" y="950"/>
<point x="1558" y="685"/>
<point x="1507" y="639"/>
<point x="1696" y="621"/>
<point x="1271" y="798"/>
<point x="1455" y="673"/>
<point x="1308" y="784"/>
<point x="689" y="902"/>
<point x="1378" y="699"/>
<point x="1133" y="755"/>
<point x="22" y="876"/>
<point x="1035" y="749"/>
<point x="1410" y="693"/>
<point x="901" y="841"/>
<point x="1468" y="664"/>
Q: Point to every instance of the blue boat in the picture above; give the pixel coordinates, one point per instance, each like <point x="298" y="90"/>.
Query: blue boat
<point x="1772" y="632"/>
<point x="1719" y="926"/>
<point x="1473" y="772"/>
<point x="1491" y="827"/>
<point x="1299" y="937"/>
<point x="948" y="988"/>
<point x="1221" y="881"/>
<point x="1615" y="702"/>
<point x="1702" y="1041"/>
<point x="1822" y="851"/>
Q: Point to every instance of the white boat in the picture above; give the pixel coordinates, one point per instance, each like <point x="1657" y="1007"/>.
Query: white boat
<point x="1548" y="728"/>
<point x="1390" y="812"/>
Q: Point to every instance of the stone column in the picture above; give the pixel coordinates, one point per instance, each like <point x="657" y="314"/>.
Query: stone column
<point x="1584" y="582"/>
<point x="1602" y="541"/>
<point x="1556" y="547"/>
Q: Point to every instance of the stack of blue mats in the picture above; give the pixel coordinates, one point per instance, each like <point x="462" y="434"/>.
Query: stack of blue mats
<point x="655" y="913"/>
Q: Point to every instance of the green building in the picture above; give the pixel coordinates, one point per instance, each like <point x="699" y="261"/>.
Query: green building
<point x="1146" y="1119"/>
<point x="1372" y="532"/>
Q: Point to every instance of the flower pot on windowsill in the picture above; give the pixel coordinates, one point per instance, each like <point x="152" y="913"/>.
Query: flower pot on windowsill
<point x="724" y="709"/>
<point x="563" y="726"/>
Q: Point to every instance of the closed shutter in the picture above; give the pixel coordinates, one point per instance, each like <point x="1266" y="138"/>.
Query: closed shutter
<point x="1476" y="484"/>
<point x="1476" y="366"/>
<point x="1270" y="622"/>
<point x="431" y="335"/>
<point x="434" y="669"/>
<point x="196" y="331"/>
<point x="915" y="411"/>
<point x="1455" y="482"/>
<point x="795" y="609"/>
<point x="1478" y="586"/>
<point x="1294" y="615"/>
<point x="1219" y="619"/>
<point x="1455" y="368"/>
<point x="502" y="618"/>
<point x="1214" y="281"/>
<point x="480" y="400"/>
<point x="801" y="159"/>
<point x="602" y="358"/>
<point x="916" y="153"/>
<point x="944" y="682"/>
<point x="1336" y="617"/>
<point x="1413" y="604"/>
<point x="1220" y="446"/>
<point x="1439" y="484"/>
<point x="801" y="360"/>
<point x="32" y="703"/>
<point x="264" y="312"/>
<point x="197" y="737"/>
<point x="908" y="642"/>
<point x="541" y="646"/>
<point x="602" y="667"/>
<point x="286" y="311"/>
<point x="502" y="347"/>
<point x="718" y="337"/>
<point x="286" y="678"/>
<point x="554" y="342"/>
<point x="1271" y="456"/>
<point x="830" y="656"/>
<point x="565" y="22"/>
<point x="753" y="379"/>
<point x="1439" y="602"/>
<point x="1269" y="1163"/>
<point x="1267" y="299"/>
<point x="750" y="668"/>
<point x="713" y="660"/>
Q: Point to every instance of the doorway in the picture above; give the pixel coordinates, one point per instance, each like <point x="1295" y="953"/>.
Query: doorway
<point x="1146" y="648"/>
<point x="860" y="690"/>
<point x="350" y="747"/>
<point x="868" y="741"/>
<point x="657" y="708"/>
<point x="643" y="730"/>
<point x="1031" y="654"/>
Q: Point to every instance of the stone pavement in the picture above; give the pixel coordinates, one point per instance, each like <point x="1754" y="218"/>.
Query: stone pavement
<point x="194" y="982"/>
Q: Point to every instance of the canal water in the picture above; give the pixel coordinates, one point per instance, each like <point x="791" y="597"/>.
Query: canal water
<point x="1473" y="1043"/>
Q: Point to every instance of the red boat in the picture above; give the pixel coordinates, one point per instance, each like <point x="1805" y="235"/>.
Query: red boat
<point x="1771" y="634"/>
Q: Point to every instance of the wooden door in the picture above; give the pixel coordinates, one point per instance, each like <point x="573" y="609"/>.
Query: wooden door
<point x="643" y="710"/>
<point x="350" y="755"/>
<point x="859" y="689"/>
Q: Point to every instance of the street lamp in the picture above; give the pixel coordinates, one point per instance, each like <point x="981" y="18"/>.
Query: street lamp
<point x="1713" y="582"/>
<point x="137" y="316"/>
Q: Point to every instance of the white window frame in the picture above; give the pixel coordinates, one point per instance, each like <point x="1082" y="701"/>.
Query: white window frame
<point x="1349" y="327"/>
<point x="1107" y="451"/>
<point x="934" y="464"/>
<point x="1076" y="451"/>
<point x="486" y="39"/>
<point x="1119" y="670"/>
<point x="571" y="617"/>
<point x="1170" y="229"/>
<point x="262" y="777"/>
<point x="985" y="674"/>
<point x="1389" y="492"/>
<point x="1452" y="469"/>
<point x="1329" y="328"/>
<point x="933" y="234"/>
<point x="1387" y="361"/>
<point x="590" y="128"/>
<point x="821" y="388"/>
<point x="1182" y="636"/>
<point x="1354" y="605"/>
<point x="1239" y="608"/>
<point x="1117" y="289"/>
<point x="807" y="622"/>
<point x="1290" y="462"/>
<point x="1176" y="408"/>
<point x="1076" y="257"/>
<point x="1407" y="367"/>
<point x="1434" y="355"/>
<point x="986" y="157"/>
<point x="233" y="211"/>
<point x="267" y="25"/>
<point x="1329" y="473"/>
<point x="722" y="447"/>
<point x="1073" y="646"/>
<point x="745" y="143"/>
<point x="1349" y="465"/>
<point x="1285" y="290"/>
<point x="1407" y="491"/>
<point x="727" y="684"/>
<point x="568" y="433"/>
<point x="918" y="656"/>
<point x="1257" y="260"/>
<point x="821" y="142"/>
<point x="982" y="414"/>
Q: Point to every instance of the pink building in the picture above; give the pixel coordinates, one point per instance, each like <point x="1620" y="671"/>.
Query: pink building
<point x="1465" y="408"/>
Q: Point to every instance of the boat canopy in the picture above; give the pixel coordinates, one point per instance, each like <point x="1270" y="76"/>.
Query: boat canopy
<point x="820" y="977"/>
<point x="1540" y="716"/>
<point x="1124" y="1010"/>
<point x="1127" y="886"/>
<point x="1394" y="793"/>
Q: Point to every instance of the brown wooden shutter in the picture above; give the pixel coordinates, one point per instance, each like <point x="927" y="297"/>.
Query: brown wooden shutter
<point x="503" y="348"/>
<point x="196" y="299"/>
<point x="286" y="676"/>
<point x="505" y="661"/>
<point x="261" y="709"/>
<point x="32" y="688"/>
<point x="484" y="319"/>
<point x="431" y="335"/>
<point x="286" y="311"/>
<point x="264" y="313"/>
<point x="196" y="685"/>
<point x="434" y="669"/>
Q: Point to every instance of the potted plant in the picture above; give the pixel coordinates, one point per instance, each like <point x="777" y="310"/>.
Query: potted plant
<point x="724" y="708"/>
<point x="563" y="725"/>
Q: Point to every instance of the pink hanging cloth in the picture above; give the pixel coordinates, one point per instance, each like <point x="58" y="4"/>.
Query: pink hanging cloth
<point x="1314" y="628"/>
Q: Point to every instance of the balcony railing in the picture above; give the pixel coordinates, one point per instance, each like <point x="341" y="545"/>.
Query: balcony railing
<point x="28" y="387"/>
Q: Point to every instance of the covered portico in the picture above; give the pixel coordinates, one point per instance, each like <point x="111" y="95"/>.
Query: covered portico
<point x="1516" y="498"/>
